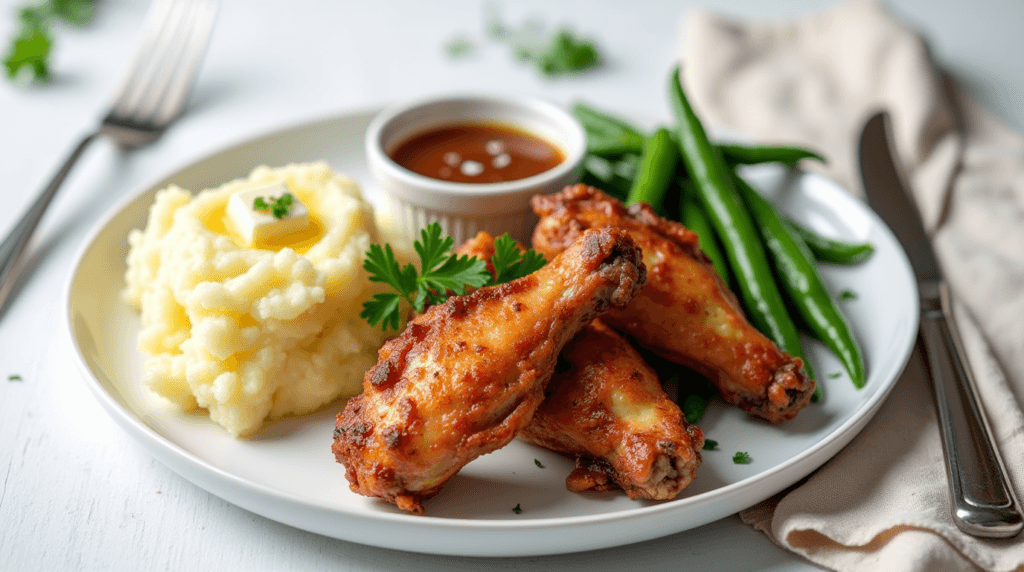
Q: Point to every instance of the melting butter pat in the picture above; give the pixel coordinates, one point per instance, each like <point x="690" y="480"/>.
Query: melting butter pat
<point x="259" y="225"/>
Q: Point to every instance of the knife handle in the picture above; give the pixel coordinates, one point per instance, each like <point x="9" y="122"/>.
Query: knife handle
<point x="983" y="502"/>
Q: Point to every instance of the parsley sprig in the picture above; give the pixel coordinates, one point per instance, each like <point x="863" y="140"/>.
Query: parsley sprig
<point x="277" y="207"/>
<point x="440" y="272"/>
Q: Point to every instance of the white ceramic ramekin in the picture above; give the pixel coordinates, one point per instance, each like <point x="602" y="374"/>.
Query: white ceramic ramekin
<point x="463" y="209"/>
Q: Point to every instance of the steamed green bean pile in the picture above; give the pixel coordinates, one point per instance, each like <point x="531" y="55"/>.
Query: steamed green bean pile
<point x="770" y="261"/>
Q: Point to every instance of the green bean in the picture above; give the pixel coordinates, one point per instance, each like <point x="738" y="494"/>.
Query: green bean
<point x="732" y="222"/>
<point x="755" y="154"/>
<point x="607" y="136"/>
<point x="692" y="216"/>
<point x="612" y="136"/>
<point x="800" y="279"/>
<point x="656" y="171"/>
<point x="831" y="250"/>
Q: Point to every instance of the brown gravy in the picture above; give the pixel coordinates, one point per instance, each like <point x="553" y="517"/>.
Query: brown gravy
<point x="477" y="153"/>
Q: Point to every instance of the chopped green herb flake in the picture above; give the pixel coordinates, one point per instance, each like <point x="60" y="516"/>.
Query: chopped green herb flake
<point x="517" y="509"/>
<point x="710" y="444"/>
<point x="847" y="295"/>
<point x="277" y="207"/>
<point x="538" y="463"/>
<point x="74" y="12"/>
<point x="459" y="47"/>
<point x="741" y="458"/>
<point x="551" y="52"/>
<point x="834" y="375"/>
<point x="14" y="377"/>
<point x="694" y="407"/>
<point x="27" y="56"/>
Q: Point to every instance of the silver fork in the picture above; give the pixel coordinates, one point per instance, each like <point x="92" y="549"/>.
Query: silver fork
<point x="152" y="95"/>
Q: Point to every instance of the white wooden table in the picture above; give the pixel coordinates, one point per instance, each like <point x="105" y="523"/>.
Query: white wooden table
<point x="78" y="494"/>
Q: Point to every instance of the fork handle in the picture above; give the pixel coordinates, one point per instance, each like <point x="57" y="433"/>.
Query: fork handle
<point x="13" y="248"/>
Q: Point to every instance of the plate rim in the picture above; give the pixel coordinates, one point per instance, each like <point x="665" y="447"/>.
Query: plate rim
<point x="178" y="458"/>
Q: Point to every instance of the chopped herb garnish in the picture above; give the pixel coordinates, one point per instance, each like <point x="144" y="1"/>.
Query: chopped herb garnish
<point x="27" y="57"/>
<point x="710" y="444"/>
<point x="694" y="407"/>
<point x="537" y="462"/>
<point x="459" y="46"/>
<point x="834" y="375"/>
<point x="517" y="509"/>
<point x="847" y="295"/>
<point x="741" y="458"/>
<point x="277" y="207"/>
<point x="440" y="272"/>
<point x="566" y="53"/>
<point x="552" y="52"/>
<point x="14" y="377"/>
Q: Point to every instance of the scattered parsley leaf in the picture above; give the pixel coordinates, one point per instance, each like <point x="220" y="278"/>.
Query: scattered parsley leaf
<point x="510" y="263"/>
<point x="834" y="375"/>
<point x="567" y="53"/>
<point x="277" y="207"/>
<point x="537" y="462"/>
<point x="459" y="46"/>
<point x="27" y="56"/>
<point x="741" y="458"/>
<point x="847" y="295"/>
<point x="74" y="12"/>
<point x="552" y="52"/>
<point x="694" y="407"/>
<point x="14" y="377"/>
<point x="710" y="444"/>
<point x="517" y="509"/>
<point x="29" y="53"/>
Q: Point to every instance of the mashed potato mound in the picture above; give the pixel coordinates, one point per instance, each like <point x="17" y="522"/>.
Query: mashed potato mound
<point x="252" y="334"/>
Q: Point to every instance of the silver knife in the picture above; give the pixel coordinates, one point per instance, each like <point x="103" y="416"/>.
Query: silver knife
<point x="983" y="502"/>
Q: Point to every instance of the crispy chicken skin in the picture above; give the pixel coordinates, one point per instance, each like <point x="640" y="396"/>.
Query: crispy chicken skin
<point x="466" y="376"/>
<point x="605" y="405"/>
<point x="685" y="312"/>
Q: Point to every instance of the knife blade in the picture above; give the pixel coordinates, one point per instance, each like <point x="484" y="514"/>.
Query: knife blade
<point x="983" y="503"/>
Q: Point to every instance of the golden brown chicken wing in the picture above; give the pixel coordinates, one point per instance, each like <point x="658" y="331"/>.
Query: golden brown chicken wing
<point x="466" y="376"/>
<point x="605" y="405"/>
<point x="685" y="312"/>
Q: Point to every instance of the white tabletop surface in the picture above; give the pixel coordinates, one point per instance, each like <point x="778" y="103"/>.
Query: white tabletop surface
<point x="76" y="493"/>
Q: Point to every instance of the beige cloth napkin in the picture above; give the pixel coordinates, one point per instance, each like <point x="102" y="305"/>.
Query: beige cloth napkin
<point x="882" y="503"/>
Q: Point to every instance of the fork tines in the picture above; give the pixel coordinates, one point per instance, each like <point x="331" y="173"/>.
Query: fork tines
<point x="173" y="42"/>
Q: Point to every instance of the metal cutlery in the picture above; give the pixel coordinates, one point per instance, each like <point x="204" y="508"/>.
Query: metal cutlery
<point x="984" y="504"/>
<point x="151" y="96"/>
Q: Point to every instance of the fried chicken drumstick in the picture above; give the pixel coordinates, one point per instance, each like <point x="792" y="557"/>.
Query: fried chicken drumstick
<point x="466" y="376"/>
<point x="605" y="405"/>
<point x="685" y="312"/>
<point x="608" y="407"/>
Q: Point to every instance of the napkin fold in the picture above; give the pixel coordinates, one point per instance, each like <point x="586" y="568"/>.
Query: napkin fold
<point x="882" y="503"/>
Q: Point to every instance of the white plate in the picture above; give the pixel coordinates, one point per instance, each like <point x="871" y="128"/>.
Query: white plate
<point x="288" y="473"/>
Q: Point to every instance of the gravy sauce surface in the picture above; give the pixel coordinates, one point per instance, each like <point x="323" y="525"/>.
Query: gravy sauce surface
<point x="477" y="153"/>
